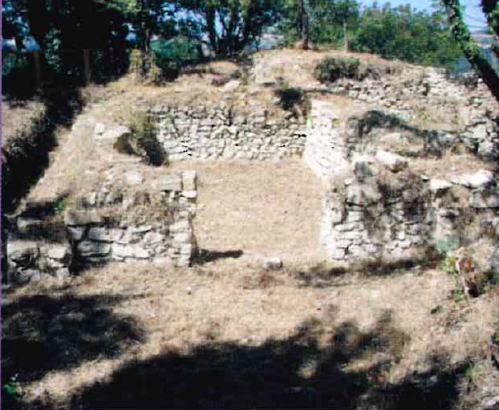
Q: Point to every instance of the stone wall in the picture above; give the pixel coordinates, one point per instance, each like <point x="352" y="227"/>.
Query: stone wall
<point x="153" y="224"/>
<point x="386" y="211"/>
<point x="416" y="90"/>
<point x="325" y="150"/>
<point x="219" y="131"/>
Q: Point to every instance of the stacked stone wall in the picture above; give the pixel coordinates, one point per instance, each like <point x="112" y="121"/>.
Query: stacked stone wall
<point x="219" y="131"/>
<point x="379" y="212"/>
<point x="153" y="224"/>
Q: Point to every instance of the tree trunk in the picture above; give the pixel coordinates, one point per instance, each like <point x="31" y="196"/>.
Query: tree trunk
<point x="305" y="35"/>
<point x="470" y="49"/>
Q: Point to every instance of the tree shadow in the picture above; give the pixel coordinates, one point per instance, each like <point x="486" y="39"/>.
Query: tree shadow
<point x="297" y="372"/>
<point x="25" y="163"/>
<point x="323" y="276"/>
<point x="41" y="334"/>
<point x="205" y="256"/>
<point x="41" y="220"/>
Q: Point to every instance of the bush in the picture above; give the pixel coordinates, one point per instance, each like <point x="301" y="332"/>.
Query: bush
<point x="331" y="69"/>
<point x="142" y="141"/>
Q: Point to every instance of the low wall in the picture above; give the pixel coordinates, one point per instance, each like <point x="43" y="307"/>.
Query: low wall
<point x="218" y="131"/>
<point x="153" y="223"/>
<point x="378" y="212"/>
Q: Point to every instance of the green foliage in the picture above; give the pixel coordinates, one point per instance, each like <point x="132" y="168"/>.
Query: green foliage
<point x="142" y="141"/>
<point x="469" y="47"/>
<point x="401" y="33"/>
<point x="326" y="20"/>
<point x="13" y="387"/>
<point x="449" y="244"/>
<point x="60" y="205"/>
<point x="289" y="97"/>
<point x="226" y="26"/>
<point x="331" y="69"/>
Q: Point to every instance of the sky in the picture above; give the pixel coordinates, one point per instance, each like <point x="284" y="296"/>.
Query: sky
<point x="474" y="17"/>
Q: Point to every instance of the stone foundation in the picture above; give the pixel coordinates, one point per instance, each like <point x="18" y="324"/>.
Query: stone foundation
<point x="381" y="213"/>
<point x="216" y="132"/>
<point x="155" y="223"/>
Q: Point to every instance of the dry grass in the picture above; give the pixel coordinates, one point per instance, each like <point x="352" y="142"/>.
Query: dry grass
<point x="370" y="330"/>
<point x="18" y="117"/>
<point x="225" y="332"/>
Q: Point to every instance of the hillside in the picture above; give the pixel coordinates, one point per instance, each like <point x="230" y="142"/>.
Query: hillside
<point x="233" y="330"/>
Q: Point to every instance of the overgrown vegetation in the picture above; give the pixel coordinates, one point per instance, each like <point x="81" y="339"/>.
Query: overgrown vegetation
<point x="331" y="69"/>
<point x="142" y="140"/>
<point x="392" y="32"/>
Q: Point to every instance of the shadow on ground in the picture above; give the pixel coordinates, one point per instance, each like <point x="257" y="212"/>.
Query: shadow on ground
<point x="298" y="372"/>
<point x="41" y="334"/>
<point x="24" y="162"/>
<point x="323" y="276"/>
<point x="206" y="256"/>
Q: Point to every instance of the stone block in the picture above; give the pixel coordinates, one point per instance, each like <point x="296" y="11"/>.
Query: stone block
<point x="22" y="252"/>
<point x="114" y="133"/>
<point x="272" y="263"/>
<point x="100" y="234"/>
<point x="76" y="234"/>
<point x="437" y="185"/>
<point x="29" y="225"/>
<point x="168" y="183"/>
<point x="479" y="179"/>
<point x="189" y="179"/>
<point x="391" y="161"/>
<point x="129" y="251"/>
<point x="58" y="252"/>
<point x="91" y="248"/>
<point x="76" y="217"/>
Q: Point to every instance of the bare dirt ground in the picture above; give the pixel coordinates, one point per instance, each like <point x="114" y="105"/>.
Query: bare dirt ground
<point x="143" y="336"/>
<point x="225" y="333"/>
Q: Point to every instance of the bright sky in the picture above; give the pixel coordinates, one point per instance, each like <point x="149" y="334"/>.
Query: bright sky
<point x="473" y="13"/>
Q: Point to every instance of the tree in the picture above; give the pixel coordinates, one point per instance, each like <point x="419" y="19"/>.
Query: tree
<point x="402" y="33"/>
<point x="226" y="26"/>
<point x="469" y="47"/>
<point x="304" y="19"/>
<point x="326" y="20"/>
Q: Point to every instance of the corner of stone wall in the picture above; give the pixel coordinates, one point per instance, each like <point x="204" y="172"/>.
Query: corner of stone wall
<point x="153" y="224"/>
<point x="385" y="211"/>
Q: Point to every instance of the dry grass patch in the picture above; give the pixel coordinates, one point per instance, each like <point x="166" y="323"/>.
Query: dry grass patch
<point x="19" y="118"/>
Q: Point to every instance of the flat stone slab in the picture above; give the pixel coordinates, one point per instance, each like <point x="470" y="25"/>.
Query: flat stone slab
<point x="478" y="179"/>
<point x="75" y="217"/>
<point x="439" y="185"/>
<point x="114" y="133"/>
<point x="391" y="161"/>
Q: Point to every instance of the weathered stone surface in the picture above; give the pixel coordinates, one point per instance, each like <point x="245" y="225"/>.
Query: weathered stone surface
<point x="130" y="251"/>
<point x="437" y="185"/>
<point x="392" y="161"/>
<point x="362" y="194"/>
<point x="99" y="128"/>
<point x="76" y="234"/>
<point x="168" y="183"/>
<point x="114" y="133"/>
<point x="22" y="251"/>
<point x="29" y="225"/>
<point x="58" y="252"/>
<point x="100" y="234"/>
<point x="478" y="179"/>
<point x="272" y="263"/>
<point x="134" y="178"/>
<point x="92" y="248"/>
<point x="75" y="217"/>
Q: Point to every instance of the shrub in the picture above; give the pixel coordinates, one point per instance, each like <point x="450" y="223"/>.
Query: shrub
<point x="142" y="141"/>
<point x="331" y="69"/>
